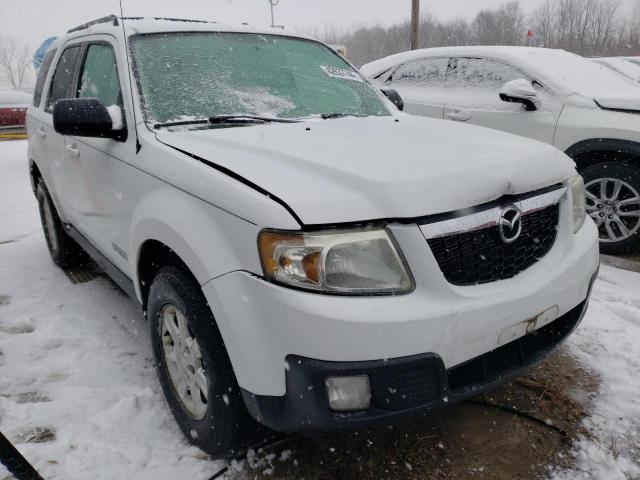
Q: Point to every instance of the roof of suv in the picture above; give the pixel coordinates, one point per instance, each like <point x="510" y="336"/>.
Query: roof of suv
<point x="146" y="25"/>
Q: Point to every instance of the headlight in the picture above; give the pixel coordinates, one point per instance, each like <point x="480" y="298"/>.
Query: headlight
<point x="579" y="203"/>
<point x="353" y="262"/>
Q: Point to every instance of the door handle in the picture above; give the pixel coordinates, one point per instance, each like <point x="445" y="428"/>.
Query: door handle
<point x="458" y="116"/>
<point x="41" y="132"/>
<point x="73" y="150"/>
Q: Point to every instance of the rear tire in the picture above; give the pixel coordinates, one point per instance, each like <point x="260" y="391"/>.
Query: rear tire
<point x="613" y="201"/>
<point x="64" y="250"/>
<point x="194" y="369"/>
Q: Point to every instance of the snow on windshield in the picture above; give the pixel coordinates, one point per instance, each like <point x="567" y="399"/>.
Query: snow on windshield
<point x="207" y="74"/>
<point x="626" y="68"/>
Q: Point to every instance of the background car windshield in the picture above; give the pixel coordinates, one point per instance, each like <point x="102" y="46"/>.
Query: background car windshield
<point x="183" y="76"/>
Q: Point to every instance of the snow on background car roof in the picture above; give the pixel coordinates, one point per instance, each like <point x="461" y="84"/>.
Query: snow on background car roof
<point x="15" y="98"/>
<point x="567" y="72"/>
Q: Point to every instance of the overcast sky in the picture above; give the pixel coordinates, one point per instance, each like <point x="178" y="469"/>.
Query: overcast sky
<point x="34" y="20"/>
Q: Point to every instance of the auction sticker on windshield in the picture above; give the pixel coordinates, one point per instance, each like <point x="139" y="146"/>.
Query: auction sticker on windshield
<point x="343" y="73"/>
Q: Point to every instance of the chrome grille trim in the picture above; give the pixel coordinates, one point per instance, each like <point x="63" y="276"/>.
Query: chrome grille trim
<point x="490" y="217"/>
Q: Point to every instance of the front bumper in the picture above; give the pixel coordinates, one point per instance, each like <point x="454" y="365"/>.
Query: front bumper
<point x="402" y="387"/>
<point x="262" y="324"/>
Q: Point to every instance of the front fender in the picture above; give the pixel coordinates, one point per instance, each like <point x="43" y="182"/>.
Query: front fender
<point x="210" y="241"/>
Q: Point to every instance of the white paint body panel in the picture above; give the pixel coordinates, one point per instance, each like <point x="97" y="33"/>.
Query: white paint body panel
<point x="378" y="168"/>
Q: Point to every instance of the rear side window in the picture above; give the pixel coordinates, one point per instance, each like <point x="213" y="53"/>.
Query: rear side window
<point x="100" y="75"/>
<point x="63" y="81"/>
<point x="42" y="76"/>
<point x="428" y="71"/>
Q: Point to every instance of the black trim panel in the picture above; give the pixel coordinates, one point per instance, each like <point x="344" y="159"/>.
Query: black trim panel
<point x="120" y="278"/>
<point x="604" y="145"/>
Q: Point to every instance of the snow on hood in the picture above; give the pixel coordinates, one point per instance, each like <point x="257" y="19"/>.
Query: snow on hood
<point x="622" y="102"/>
<point x="354" y="169"/>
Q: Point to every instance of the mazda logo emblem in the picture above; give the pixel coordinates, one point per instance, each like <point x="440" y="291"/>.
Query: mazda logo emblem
<point x="510" y="224"/>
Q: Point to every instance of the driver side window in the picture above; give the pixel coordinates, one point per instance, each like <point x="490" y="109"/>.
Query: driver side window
<point x="99" y="77"/>
<point x="482" y="73"/>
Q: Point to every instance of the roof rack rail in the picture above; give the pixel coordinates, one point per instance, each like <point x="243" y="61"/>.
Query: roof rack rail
<point x="84" y="26"/>
<point x="190" y="20"/>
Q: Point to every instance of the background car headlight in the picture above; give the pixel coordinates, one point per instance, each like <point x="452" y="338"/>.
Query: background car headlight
<point x="579" y="203"/>
<point x="350" y="262"/>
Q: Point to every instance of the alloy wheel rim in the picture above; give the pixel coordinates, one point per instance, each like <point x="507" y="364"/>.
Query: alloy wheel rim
<point x="52" y="239"/>
<point x="183" y="359"/>
<point x="615" y="207"/>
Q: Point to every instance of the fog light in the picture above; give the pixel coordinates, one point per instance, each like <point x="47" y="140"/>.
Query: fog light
<point x="348" y="393"/>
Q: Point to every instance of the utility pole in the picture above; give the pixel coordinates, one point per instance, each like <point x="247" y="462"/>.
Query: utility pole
<point x="273" y="3"/>
<point x="415" y="24"/>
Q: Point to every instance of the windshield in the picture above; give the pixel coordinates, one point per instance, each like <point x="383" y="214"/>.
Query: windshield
<point x="184" y="76"/>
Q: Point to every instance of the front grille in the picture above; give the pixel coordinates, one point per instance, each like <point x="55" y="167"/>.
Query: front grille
<point x="480" y="256"/>
<point x="406" y="386"/>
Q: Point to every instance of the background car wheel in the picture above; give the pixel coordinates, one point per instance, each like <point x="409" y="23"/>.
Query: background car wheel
<point x="613" y="201"/>
<point x="194" y="369"/>
<point x="64" y="251"/>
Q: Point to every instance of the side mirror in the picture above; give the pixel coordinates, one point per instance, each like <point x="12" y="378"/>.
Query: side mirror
<point x="88" y="117"/>
<point x="395" y="97"/>
<point x="520" y="91"/>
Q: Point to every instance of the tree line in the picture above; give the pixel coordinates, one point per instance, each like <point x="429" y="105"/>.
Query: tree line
<point x="586" y="27"/>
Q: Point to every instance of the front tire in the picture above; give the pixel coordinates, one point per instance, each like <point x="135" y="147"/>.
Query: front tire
<point x="64" y="251"/>
<point x="613" y="202"/>
<point x="194" y="369"/>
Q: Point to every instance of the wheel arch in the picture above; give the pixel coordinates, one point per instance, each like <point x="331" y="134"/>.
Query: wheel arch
<point x="152" y="256"/>
<point x="163" y="247"/>
<point x="35" y="175"/>
<point x="600" y="150"/>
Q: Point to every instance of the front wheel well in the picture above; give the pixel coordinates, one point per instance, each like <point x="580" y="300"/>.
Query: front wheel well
<point x="154" y="255"/>
<point x="35" y="175"/>
<point x="592" y="152"/>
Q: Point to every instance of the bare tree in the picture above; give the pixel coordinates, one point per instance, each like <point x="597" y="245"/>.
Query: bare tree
<point x="586" y="27"/>
<point x="543" y="24"/>
<point x="602" y="26"/>
<point x="15" y="60"/>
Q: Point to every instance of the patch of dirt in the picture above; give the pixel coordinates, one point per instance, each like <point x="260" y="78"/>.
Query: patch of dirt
<point x="28" y="397"/>
<point x="17" y="329"/>
<point x="515" y="432"/>
<point x="36" y="435"/>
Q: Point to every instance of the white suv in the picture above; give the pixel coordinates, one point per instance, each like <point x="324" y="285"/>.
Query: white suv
<point x="308" y="257"/>
<point x="581" y="107"/>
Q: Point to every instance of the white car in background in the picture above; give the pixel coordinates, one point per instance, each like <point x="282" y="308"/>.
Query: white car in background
<point x="621" y="65"/>
<point x="584" y="109"/>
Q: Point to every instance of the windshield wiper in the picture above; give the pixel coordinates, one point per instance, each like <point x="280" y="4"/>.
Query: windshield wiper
<point x="222" y="119"/>
<point x="219" y="119"/>
<point x="178" y="123"/>
<point x="331" y="116"/>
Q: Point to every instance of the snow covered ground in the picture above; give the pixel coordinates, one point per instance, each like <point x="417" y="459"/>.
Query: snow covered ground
<point x="79" y="396"/>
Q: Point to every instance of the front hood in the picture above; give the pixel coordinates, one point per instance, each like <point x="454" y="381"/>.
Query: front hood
<point x="355" y="169"/>
<point x="619" y="102"/>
